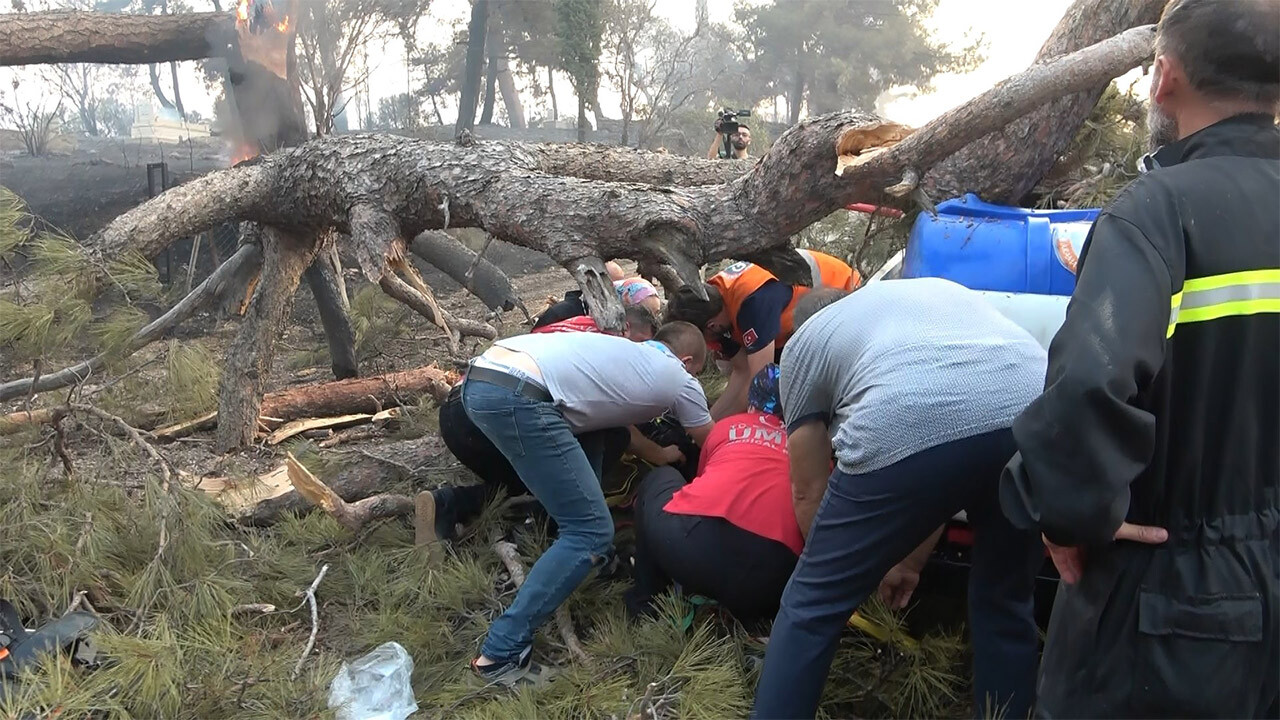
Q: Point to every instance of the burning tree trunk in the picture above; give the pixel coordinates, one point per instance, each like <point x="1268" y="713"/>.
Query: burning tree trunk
<point x="1004" y="166"/>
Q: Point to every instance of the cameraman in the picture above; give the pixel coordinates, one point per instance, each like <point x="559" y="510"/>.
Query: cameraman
<point x="730" y="133"/>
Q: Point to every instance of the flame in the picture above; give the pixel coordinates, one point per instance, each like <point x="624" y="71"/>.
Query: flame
<point x="243" y="151"/>
<point x="242" y="11"/>
<point x="283" y="25"/>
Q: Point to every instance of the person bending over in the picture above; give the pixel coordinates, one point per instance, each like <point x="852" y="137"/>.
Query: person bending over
<point x="747" y="316"/>
<point x="639" y="298"/>
<point x="539" y="398"/>
<point x="915" y="383"/>
<point x="439" y="511"/>
<point x="731" y="534"/>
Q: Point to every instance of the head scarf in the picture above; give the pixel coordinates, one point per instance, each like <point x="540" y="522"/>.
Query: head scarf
<point x="633" y="291"/>
<point x="763" y="393"/>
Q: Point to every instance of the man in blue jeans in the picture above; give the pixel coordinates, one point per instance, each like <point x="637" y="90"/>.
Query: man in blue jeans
<point x="913" y="384"/>
<point x="531" y="395"/>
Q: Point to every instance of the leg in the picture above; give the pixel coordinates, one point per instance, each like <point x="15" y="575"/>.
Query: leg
<point x="538" y="442"/>
<point x="654" y="531"/>
<point x="865" y="525"/>
<point x="1002" y="621"/>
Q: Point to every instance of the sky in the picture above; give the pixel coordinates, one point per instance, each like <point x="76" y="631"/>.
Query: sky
<point x="1013" y="31"/>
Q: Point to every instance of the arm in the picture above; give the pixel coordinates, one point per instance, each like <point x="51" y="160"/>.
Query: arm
<point x="809" y="447"/>
<point x="734" y="398"/>
<point x="902" y="579"/>
<point x="651" y="452"/>
<point x="716" y="142"/>
<point x="691" y="409"/>
<point x="1087" y="437"/>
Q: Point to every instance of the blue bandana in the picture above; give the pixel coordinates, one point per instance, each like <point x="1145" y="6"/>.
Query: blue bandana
<point x="763" y="393"/>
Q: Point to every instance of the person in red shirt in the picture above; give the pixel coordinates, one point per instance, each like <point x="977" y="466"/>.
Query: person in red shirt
<point x="731" y="534"/>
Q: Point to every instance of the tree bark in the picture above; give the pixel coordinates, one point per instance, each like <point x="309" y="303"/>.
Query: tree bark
<point x="1005" y="166"/>
<point x="470" y="95"/>
<point x="493" y="45"/>
<point x="358" y="395"/>
<point x="249" y="358"/>
<point x="91" y="37"/>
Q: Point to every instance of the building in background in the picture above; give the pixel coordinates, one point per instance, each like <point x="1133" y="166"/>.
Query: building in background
<point x="164" y="125"/>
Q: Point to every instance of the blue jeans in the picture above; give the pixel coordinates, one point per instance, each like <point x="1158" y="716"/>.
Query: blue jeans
<point x="563" y="473"/>
<point x="868" y="523"/>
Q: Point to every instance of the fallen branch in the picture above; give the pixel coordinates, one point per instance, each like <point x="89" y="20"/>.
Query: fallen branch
<point x="253" y="609"/>
<point x="510" y="557"/>
<point x="310" y="598"/>
<point x="352" y="516"/>
<point x="15" y="421"/>
<point x="298" y="427"/>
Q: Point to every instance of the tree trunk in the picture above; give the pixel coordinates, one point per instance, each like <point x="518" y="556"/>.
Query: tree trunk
<point x="1006" y="165"/>
<point x="177" y="93"/>
<point x="470" y="95"/>
<point x="358" y="395"/>
<point x="551" y="89"/>
<point x="250" y="356"/>
<point x="91" y="37"/>
<point x="510" y="96"/>
<point x="795" y="98"/>
<point x="582" y="119"/>
<point x="490" y="88"/>
<point x="324" y="277"/>
<point x="155" y="87"/>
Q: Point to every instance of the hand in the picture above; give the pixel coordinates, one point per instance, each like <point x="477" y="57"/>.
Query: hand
<point x="670" y="455"/>
<point x="898" y="584"/>
<point x="1070" y="560"/>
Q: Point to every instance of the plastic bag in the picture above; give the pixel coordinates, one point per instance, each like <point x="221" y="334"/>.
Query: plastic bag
<point x="375" y="686"/>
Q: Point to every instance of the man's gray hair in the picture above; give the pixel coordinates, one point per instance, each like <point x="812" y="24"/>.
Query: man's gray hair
<point x="812" y="302"/>
<point x="1229" y="49"/>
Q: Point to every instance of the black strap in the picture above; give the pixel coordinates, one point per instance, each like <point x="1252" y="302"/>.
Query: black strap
<point x="496" y="377"/>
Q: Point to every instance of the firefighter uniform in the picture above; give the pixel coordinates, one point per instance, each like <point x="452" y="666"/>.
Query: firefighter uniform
<point x="1162" y="407"/>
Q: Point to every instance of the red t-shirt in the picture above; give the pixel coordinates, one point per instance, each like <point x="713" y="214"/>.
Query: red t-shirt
<point x="581" y="323"/>
<point x="744" y="477"/>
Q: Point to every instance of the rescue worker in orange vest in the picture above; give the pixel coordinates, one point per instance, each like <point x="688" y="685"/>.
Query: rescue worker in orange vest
<point x="746" y="317"/>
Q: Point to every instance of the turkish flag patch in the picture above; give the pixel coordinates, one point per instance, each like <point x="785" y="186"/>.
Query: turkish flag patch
<point x="749" y="337"/>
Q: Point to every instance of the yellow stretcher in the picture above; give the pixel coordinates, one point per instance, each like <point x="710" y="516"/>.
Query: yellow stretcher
<point x="882" y="633"/>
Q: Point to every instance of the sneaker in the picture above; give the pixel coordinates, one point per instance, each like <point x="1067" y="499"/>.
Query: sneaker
<point x="513" y="673"/>
<point x="424" y="520"/>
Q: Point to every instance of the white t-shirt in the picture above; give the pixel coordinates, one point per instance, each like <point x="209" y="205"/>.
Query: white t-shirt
<point x="603" y="381"/>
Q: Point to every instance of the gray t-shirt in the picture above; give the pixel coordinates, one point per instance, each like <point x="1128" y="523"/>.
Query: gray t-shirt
<point x="901" y="366"/>
<point x="602" y="381"/>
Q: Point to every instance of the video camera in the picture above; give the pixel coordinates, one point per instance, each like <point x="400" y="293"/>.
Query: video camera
<point x="727" y="122"/>
<point x="727" y="125"/>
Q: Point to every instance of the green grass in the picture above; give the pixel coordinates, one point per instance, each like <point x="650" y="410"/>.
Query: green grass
<point x="186" y="656"/>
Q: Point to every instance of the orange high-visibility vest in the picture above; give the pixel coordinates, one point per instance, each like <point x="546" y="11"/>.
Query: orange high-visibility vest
<point x="740" y="279"/>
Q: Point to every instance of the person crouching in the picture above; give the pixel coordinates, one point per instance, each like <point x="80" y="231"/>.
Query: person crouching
<point x="730" y="535"/>
<point x="530" y="395"/>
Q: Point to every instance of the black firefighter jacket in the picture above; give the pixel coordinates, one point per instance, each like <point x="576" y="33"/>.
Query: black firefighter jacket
<point x="1162" y="407"/>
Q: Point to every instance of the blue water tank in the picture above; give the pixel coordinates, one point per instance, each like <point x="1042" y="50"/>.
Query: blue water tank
<point x="997" y="247"/>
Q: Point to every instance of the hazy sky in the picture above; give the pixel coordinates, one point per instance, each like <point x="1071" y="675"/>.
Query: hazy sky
<point x="1013" y="31"/>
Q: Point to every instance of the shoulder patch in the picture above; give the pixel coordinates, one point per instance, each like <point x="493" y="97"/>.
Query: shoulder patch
<point x="749" y="337"/>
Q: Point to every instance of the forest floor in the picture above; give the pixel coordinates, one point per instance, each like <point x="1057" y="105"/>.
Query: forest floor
<point x="177" y="644"/>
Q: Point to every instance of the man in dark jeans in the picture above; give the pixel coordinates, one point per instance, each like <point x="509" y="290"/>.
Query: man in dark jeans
<point x="538" y="398"/>
<point x="920" y="380"/>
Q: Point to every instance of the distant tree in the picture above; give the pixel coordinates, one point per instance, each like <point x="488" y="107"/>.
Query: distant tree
<point x="579" y="27"/>
<point x="826" y="55"/>
<point x="469" y="96"/>
<point x="36" y="122"/>
<point x="398" y="112"/>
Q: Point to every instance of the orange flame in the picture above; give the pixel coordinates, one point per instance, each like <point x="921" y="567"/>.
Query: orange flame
<point x="283" y="25"/>
<point x="242" y="11"/>
<point x="243" y="151"/>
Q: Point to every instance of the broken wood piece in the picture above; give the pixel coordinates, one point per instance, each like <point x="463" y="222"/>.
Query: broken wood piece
<point x="352" y="516"/>
<point x="253" y="609"/>
<point x="858" y="144"/>
<point x="348" y="435"/>
<point x="187" y="427"/>
<point x="15" y="421"/>
<point x="510" y="557"/>
<point x="240" y="496"/>
<point x="297" y="427"/>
